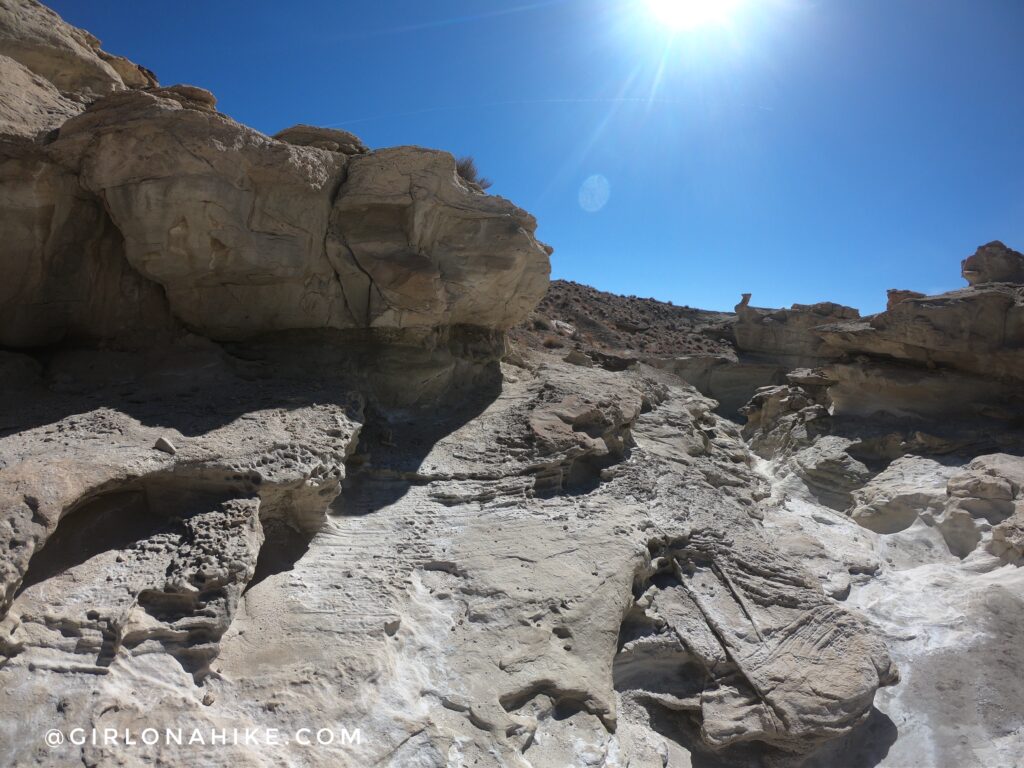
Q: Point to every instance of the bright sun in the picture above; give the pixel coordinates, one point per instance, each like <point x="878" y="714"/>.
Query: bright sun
<point x="689" y="14"/>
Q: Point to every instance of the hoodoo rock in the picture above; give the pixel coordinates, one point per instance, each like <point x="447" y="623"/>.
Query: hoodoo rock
<point x="993" y="263"/>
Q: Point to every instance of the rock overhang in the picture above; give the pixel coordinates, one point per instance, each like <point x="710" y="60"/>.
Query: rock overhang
<point x="247" y="235"/>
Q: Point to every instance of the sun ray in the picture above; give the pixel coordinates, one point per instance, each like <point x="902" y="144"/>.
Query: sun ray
<point x="656" y="80"/>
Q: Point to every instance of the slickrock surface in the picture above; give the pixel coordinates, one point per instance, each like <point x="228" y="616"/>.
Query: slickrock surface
<point x="269" y="460"/>
<point x="509" y="575"/>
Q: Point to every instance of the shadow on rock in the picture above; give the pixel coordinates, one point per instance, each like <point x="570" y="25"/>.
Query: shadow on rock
<point x="394" y="443"/>
<point x="864" y="747"/>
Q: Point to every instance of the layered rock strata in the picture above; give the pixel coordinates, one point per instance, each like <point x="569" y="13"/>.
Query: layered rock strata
<point x="268" y="461"/>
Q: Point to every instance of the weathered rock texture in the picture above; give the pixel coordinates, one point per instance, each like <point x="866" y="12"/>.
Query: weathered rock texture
<point x="187" y="217"/>
<point x="29" y="103"/>
<point x="322" y="138"/>
<point x="275" y="474"/>
<point x="51" y="70"/>
<point x="993" y="263"/>
<point x="489" y="556"/>
<point x="979" y="330"/>
<point x="893" y="465"/>
<point x="787" y="333"/>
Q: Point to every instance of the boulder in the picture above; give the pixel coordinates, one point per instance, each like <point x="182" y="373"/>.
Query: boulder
<point x="910" y="487"/>
<point x="788" y="417"/>
<point x="988" y="487"/>
<point x="714" y="615"/>
<point x="413" y="245"/>
<point x="830" y="471"/>
<point x="323" y="138"/>
<point x="986" y="506"/>
<point x="976" y="504"/>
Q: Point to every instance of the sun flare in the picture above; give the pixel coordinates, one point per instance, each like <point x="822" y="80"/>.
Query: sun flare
<point x="690" y="14"/>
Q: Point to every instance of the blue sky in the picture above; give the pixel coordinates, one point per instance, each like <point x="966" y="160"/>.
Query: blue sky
<point x="800" y="150"/>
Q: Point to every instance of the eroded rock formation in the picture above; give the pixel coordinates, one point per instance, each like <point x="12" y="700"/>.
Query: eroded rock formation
<point x="268" y="459"/>
<point x="51" y="70"/>
<point x="993" y="263"/>
<point x="246" y="235"/>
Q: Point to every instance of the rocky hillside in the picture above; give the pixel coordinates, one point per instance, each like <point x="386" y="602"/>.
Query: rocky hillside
<point x="577" y="317"/>
<point x="296" y="440"/>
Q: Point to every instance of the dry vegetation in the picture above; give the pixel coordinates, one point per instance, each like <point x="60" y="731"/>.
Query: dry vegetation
<point x="466" y="167"/>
